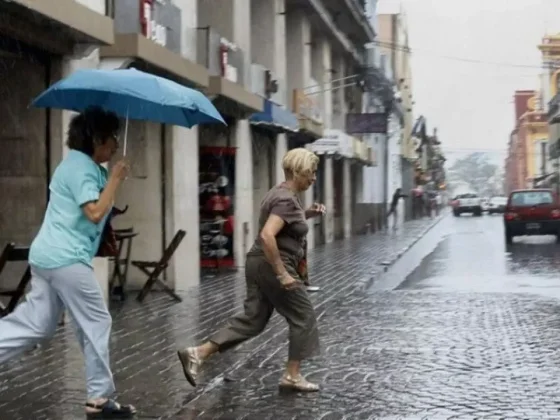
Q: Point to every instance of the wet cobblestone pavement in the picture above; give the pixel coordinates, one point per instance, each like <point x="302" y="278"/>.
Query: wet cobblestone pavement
<point x="433" y="348"/>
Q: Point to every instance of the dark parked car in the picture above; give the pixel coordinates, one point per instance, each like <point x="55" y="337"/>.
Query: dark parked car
<point x="532" y="212"/>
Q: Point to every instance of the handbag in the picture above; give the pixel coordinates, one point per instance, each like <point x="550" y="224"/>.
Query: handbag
<point x="302" y="266"/>
<point x="108" y="246"/>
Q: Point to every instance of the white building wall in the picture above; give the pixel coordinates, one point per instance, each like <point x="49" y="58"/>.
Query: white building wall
<point x="98" y="5"/>
<point x="298" y="38"/>
<point x="373" y="176"/>
<point x="394" y="174"/>
<point x="347" y="197"/>
<point x="189" y="23"/>
<point x="244" y="219"/>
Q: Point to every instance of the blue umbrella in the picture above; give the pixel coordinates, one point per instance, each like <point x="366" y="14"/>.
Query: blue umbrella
<point x="131" y="94"/>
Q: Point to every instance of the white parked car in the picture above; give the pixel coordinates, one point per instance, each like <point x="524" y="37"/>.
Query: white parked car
<point x="467" y="203"/>
<point x="497" y="205"/>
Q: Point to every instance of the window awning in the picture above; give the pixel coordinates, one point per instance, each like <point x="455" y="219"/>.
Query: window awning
<point x="276" y="118"/>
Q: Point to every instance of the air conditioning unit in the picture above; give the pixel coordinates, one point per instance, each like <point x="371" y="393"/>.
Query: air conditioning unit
<point x="270" y="83"/>
<point x="279" y="97"/>
<point x="258" y="79"/>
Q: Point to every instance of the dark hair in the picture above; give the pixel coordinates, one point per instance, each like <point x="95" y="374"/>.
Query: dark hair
<point x="94" y="124"/>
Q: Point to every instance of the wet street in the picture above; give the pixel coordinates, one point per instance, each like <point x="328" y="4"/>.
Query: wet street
<point x="435" y="321"/>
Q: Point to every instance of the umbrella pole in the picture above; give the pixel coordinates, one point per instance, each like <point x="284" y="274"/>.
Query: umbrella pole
<point x="125" y="135"/>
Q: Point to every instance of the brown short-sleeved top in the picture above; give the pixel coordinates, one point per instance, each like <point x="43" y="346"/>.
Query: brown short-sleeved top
<point x="284" y="203"/>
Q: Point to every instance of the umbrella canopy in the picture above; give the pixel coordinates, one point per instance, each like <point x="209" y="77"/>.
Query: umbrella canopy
<point x="131" y="94"/>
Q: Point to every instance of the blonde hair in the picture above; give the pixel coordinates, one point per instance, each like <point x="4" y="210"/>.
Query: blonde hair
<point x="299" y="162"/>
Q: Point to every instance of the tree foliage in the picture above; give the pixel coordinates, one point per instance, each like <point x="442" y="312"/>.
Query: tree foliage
<point x="478" y="172"/>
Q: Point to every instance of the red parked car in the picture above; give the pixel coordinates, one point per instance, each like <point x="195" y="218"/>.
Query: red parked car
<point x="532" y="212"/>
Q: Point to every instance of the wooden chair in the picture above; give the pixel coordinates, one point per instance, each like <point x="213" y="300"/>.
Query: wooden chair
<point x="11" y="253"/>
<point x="121" y="262"/>
<point x="153" y="269"/>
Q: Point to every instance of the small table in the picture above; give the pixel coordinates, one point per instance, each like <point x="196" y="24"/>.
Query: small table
<point x="122" y="263"/>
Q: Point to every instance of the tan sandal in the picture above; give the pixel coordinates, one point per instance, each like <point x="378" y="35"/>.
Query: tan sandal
<point x="297" y="384"/>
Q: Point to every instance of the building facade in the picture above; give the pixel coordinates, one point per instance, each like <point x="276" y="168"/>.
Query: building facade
<point x="282" y="73"/>
<point x="528" y="160"/>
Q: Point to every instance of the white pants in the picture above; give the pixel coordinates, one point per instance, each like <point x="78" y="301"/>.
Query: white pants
<point x="76" y="289"/>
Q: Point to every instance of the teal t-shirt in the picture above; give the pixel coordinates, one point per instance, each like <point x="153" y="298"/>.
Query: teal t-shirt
<point x="67" y="236"/>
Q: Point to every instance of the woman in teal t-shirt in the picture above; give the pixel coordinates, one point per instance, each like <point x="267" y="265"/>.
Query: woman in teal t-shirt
<point x="81" y="198"/>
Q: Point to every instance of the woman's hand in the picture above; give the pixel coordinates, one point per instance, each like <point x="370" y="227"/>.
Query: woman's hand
<point x="288" y="282"/>
<point x="315" y="210"/>
<point x="120" y="170"/>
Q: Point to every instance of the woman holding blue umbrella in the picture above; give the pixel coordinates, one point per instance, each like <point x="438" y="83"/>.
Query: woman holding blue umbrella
<point x="81" y="197"/>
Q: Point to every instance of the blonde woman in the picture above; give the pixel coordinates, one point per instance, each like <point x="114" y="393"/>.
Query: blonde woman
<point x="272" y="279"/>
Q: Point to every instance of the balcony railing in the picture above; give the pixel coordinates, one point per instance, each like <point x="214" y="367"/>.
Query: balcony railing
<point x="220" y="56"/>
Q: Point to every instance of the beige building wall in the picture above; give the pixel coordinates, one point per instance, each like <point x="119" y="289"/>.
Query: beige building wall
<point x="392" y="35"/>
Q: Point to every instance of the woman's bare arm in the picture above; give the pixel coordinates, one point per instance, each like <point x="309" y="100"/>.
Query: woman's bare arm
<point x="96" y="210"/>
<point x="273" y="225"/>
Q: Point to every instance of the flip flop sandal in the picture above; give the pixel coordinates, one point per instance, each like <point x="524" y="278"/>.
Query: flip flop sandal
<point x="110" y="409"/>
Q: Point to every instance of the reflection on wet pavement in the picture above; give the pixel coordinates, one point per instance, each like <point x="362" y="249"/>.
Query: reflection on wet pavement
<point x="474" y="257"/>
<point x="241" y="384"/>
<point x="452" y="342"/>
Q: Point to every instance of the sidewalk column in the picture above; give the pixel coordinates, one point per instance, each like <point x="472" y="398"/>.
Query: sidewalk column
<point x="281" y="150"/>
<point x="243" y="231"/>
<point x="347" y="198"/>
<point x="328" y="186"/>
<point x="182" y="203"/>
<point x="308" y="199"/>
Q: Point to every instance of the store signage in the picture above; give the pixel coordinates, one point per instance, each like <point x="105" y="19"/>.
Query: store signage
<point x="152" y="27"/>
<point x="367" y="123"/>
<point x="307" y="106"/>
<point x="333" y="142"/>
<point x="228" y="71"/>
<point x="359" y="149"/>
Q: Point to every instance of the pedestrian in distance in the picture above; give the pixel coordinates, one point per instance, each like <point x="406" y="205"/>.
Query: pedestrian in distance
<point x="81" y="197"/>
<point x="393" y="210"/>
<point x="272" y="278"/>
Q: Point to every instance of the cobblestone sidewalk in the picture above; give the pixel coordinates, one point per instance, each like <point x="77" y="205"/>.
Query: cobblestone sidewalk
<point x="49" y="383"/>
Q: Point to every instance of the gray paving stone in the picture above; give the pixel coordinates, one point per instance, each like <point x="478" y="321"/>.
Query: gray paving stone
<point x="360" y="381"/>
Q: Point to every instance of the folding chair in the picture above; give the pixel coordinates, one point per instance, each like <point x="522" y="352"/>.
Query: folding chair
<point x="153" y="269"/>
<point x="12" y="253"/>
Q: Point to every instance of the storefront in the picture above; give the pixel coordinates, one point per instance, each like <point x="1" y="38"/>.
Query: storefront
<point x="164" y="158"/>
<point x="31" y="139"/>
<point x="334" y="149"/>
<point x="269" y="129"/>
<point x="308" y="112"/>
<point x="367" y="217"/>
<point x="226" y="157"/>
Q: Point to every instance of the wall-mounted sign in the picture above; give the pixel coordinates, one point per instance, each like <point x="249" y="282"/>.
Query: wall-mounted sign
<point x="153" y="29"/>
<point x="333" y="142"/>
<point x="229" y="72"/>
<point x="359" y="150"/>
<point x="307" y="106"/>
<point x="157" y="20"/>
<point x="367" y="123"/>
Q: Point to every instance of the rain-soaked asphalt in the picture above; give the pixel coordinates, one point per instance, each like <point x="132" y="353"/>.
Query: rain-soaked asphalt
<point x="472" y="332"/>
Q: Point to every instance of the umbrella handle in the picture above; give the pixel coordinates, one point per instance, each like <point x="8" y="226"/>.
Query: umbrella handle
<point x="125" y="135"/>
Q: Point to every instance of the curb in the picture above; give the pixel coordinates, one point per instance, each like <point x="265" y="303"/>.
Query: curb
<point x="390" y="263"/>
